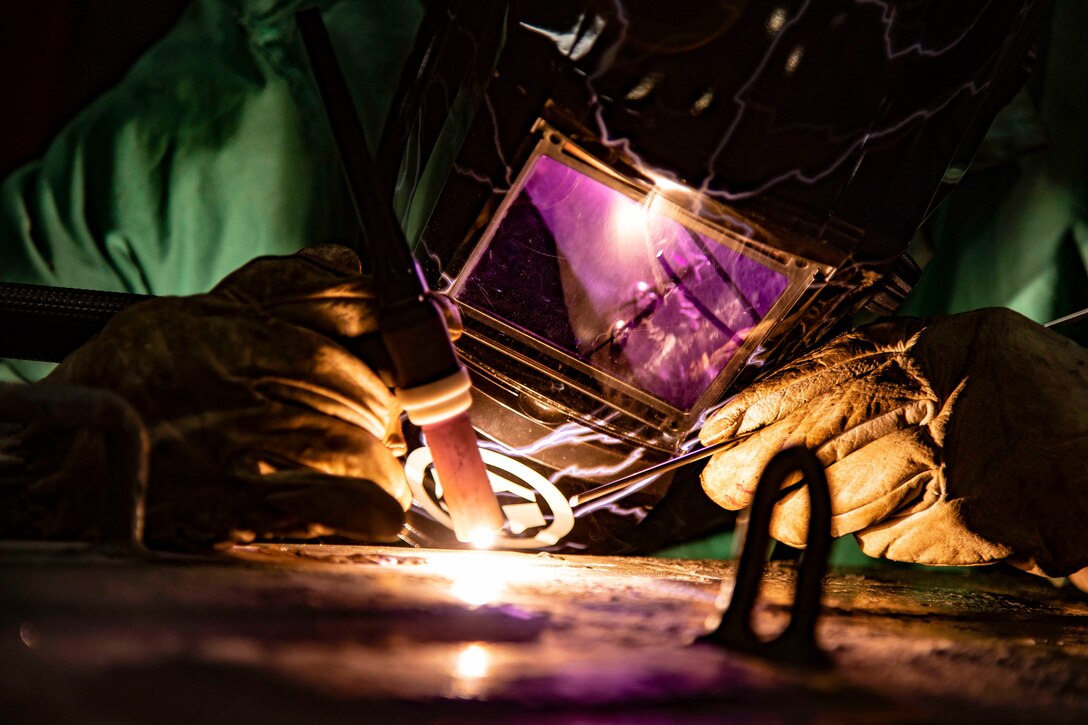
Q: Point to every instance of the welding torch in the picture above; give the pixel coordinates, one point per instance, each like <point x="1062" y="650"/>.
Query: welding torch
<point x="428" y="380"/>
<point x="48" y="323"/>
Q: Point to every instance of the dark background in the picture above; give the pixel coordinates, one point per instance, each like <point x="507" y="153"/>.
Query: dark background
<point x="56" y="56"/>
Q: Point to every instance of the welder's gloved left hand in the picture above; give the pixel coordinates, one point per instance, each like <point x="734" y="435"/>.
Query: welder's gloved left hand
<point x="261" y="421"/>
<point x="955" y="440"/>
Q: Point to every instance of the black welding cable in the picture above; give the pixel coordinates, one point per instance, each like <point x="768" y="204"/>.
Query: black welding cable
<point x="47" y="323"/>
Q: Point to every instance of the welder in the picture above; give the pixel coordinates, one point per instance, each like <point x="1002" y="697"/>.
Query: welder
<point x="948" y="439"/>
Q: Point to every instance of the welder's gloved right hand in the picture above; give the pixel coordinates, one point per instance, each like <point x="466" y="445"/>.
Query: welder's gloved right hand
<point x="955" y="440"/>
<point x="261" y="422"/>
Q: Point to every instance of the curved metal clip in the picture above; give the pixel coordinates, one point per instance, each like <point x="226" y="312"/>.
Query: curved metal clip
<point x="797" y="642"/>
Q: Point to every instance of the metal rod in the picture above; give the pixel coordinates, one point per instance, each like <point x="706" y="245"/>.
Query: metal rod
<point x="669" y="465"/>
<point x="1068" y="319"/>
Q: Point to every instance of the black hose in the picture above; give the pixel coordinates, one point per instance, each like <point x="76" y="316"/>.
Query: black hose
<point x="48" y="323"/>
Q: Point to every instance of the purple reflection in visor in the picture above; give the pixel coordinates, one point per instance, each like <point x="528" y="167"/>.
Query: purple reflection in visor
<point x="619" y="285"/>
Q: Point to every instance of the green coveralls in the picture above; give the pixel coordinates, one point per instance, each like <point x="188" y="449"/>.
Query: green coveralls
<point x="212" y="150"/>
<point x="1015" y="231"/>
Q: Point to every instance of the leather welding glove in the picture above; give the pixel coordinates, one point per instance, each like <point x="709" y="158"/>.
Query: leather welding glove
<point x="260" y="420"/>
<point x="954" y="440"/>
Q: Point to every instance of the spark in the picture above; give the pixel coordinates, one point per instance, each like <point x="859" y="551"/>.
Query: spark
<point x="740" y="100"/>
<point x="477" y="589"/>
<point x="433" y="256"/>
<point x="780" y="24"/>
<point x="738" y="97"/>
<point x="576" y="471"/>
<point x="573" y="470"/>
<point x="638" y="512"/>
<point x="571" y="433"/>
<point x="776" y="20"/>
<point x="473" y="662"/>
<point x="478" y="177"/>
<point x="810" y="178"/>
<point x="576" y="42"/>
<point x="703" y="418"/>
<point x="470" y="671"/>
<point x="631" y="219"/>
<point x="483" y="538"/>
<point x="507" y="170"/>
<point x="794" y="59"/>
<point x="888" y="19"/>
<point x="667" y="183"/>
<point x="702" y="102"/>
<point x="478" y="578"/>
<point x="475" y="578"/>
<point x="644" y="87"/>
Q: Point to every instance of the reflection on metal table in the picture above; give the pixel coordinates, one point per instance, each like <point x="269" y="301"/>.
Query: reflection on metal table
<point x="289" y="633"/>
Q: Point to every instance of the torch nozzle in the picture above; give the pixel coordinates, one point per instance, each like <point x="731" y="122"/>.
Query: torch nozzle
<point x="441" y="410"/>
<point x="466" y="486"/>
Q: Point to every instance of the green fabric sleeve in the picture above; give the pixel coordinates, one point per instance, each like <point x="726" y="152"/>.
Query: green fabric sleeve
<point x="212" y="150"/>
<point x="1015" y="232"/>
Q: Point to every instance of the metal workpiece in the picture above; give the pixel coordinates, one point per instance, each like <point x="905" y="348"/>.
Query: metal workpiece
<point x="289" y="633"/>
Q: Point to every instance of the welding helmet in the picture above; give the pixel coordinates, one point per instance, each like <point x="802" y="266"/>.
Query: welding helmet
<point x="645" y="206"/>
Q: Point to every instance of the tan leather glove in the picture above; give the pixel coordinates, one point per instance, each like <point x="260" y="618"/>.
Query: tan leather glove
<point x="955" y="440"/>
<point x="260" y="420"/>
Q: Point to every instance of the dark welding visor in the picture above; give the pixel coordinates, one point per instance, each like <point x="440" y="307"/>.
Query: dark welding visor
<point x="620" y="290"/>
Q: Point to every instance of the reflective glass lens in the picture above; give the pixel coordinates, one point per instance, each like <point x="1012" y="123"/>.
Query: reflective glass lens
<point x="617" y="284"/>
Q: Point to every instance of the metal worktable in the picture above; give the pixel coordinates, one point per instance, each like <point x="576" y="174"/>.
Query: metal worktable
<point x="278" y="633"/>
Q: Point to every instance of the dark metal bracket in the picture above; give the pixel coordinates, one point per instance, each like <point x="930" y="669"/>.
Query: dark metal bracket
<point x="797" y="642"/>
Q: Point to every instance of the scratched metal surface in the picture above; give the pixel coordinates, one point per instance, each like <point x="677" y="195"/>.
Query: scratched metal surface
<point x="349" y="634"/>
